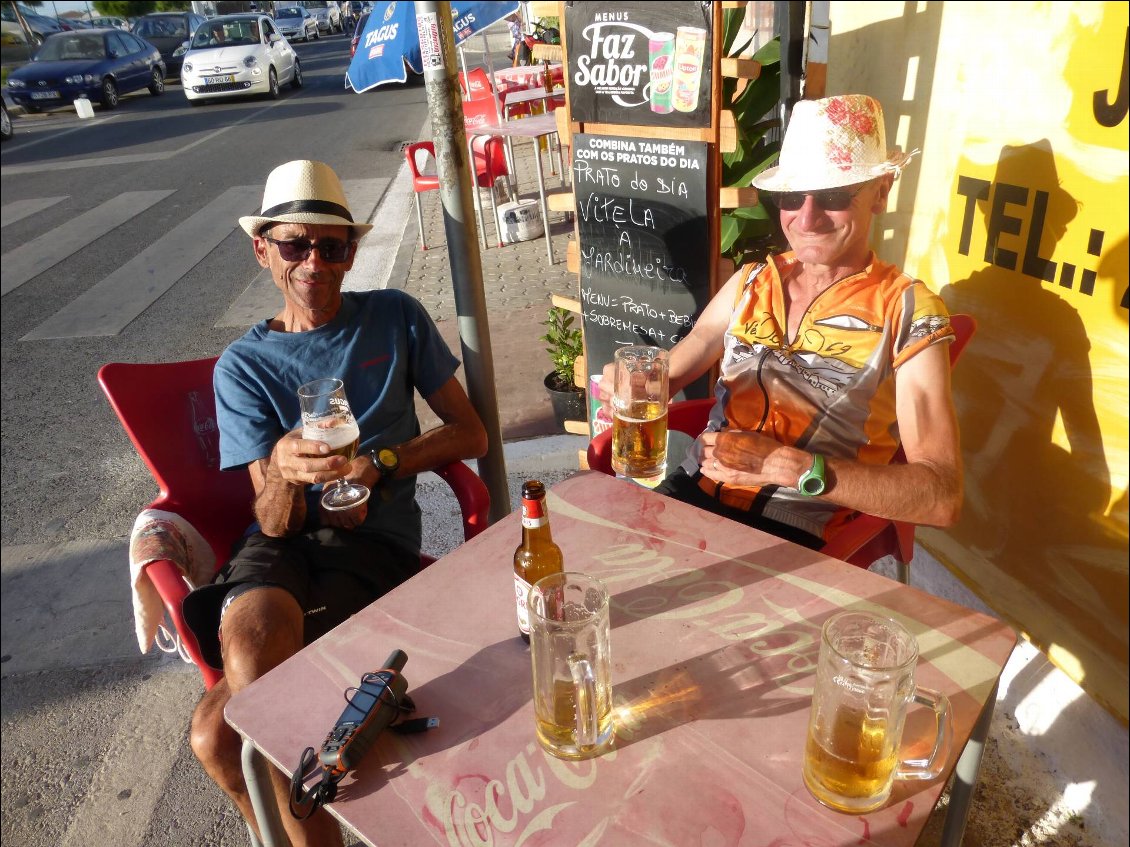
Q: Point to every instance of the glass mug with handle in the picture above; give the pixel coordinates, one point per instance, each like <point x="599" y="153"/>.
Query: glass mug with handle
<point x="326" y="417"/>
<point x="572" y="665"/>
<point x="639" y="413"/>
<point x="864" y="686"/>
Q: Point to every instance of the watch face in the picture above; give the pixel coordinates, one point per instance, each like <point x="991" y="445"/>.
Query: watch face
<point x="388" y="458"/>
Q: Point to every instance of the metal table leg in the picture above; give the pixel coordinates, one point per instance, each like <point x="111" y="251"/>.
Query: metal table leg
<point x="257" y="775"/>
<point x="541" y="196"/>
<point x="965" y="776"/>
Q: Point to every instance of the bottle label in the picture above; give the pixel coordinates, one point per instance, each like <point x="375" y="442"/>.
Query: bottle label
<point x="534" y="514"/>
<point x="521" y="594"/>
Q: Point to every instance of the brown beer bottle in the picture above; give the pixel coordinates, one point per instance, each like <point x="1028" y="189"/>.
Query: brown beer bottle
<point x="537" y="555"/>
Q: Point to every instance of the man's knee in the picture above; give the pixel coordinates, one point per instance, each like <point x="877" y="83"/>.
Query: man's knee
<point x="213" y="741"/>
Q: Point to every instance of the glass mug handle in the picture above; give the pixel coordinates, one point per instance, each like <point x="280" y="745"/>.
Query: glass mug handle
<point x="931" y="766"/>
<point x="584" y="691"/>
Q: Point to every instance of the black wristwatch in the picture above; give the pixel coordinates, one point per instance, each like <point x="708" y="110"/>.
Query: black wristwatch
<point x="811" y="482"/>
<point x="386" y="460"/>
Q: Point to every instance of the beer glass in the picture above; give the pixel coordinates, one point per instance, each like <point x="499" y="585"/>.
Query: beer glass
<point x="326" y="416"/>
<point x="864" y="685"/>
<point x="639" y="413"/>
<point x="571" y="665"/>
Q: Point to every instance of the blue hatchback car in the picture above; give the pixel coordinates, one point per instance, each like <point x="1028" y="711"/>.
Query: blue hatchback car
<point x="99" y="64"/>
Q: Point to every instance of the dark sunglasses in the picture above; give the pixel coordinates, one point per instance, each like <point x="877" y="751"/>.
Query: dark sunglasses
<point x="833" y="200"/>
<point x="332" y="250"/>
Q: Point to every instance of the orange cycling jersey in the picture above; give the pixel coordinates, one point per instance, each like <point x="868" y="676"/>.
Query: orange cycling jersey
<point x="829" y="390"/>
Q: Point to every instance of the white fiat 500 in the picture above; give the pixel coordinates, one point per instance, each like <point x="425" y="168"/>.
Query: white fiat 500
<point x="233" y="55"/>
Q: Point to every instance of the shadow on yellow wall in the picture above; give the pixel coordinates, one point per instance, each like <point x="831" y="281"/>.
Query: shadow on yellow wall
<point x="1035" y="510"/>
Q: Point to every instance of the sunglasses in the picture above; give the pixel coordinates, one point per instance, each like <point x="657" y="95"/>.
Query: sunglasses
<point x="833" y="200"/>
<point x="332" y="250"/>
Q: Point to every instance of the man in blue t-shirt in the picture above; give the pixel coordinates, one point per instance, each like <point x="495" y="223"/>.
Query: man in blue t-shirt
<point x="305" y="569"/>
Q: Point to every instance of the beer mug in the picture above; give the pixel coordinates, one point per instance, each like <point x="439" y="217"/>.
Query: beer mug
<point x="571" y="664"/>
<point x="639" y="413"/>
<point x="864" y="684"/>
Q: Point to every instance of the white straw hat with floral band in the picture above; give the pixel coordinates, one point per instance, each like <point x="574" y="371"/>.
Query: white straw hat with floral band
<point x="303" y="192"/>
<point x="831" y="143"/>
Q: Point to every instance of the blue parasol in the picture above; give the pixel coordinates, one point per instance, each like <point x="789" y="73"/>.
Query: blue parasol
<point x="390" y="45"/>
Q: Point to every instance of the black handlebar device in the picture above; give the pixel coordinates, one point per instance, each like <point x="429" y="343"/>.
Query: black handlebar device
<point x="374" y="705"/>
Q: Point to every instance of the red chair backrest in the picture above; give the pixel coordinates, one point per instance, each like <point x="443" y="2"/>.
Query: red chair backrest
<point x="480" y="113"/>
<point x="169" y="412"/>
<point x="490" y="159"/>
<point x="475" y="85"/>
<point x="416" y="153"/>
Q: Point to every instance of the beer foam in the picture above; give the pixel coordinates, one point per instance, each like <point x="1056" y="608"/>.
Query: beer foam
<point x="334" y="436"/>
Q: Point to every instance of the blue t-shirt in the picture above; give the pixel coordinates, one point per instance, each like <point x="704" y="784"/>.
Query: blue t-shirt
<point x="382" y="345"/>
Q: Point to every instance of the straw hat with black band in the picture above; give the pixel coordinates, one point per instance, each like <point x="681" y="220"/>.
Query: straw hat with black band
<point x="303" y="192"/>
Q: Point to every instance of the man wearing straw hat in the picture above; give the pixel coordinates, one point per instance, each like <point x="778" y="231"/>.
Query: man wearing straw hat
<point x="307" y="569"/>
<point x="830" y="357"/>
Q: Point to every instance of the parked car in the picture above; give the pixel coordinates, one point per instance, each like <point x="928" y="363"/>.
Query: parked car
<point x="296" y="23"/>
<point x="41" y="26"/>
<point x="117" y="23"/>
<point x="235" y="55"/>
<point x="170" y="33"/>
<point x="357" y="31"/>
<point x="326" y="13"/>
<point x="99" y="64"/>
<point x="5" y="121"/>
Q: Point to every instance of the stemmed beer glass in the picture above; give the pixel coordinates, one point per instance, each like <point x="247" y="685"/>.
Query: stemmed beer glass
<point x="326" y="416"/>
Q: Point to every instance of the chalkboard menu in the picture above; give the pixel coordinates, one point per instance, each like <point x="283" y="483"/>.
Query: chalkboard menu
<point x="644" y="242"/>
<point x="644" y="64"/>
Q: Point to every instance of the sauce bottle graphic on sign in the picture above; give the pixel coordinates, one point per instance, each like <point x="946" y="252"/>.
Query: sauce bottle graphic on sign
<point x="661" y="62"/>
<point x="690" y="46"/>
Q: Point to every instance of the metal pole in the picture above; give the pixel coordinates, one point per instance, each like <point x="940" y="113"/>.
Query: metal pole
<point x="437" y="50"/>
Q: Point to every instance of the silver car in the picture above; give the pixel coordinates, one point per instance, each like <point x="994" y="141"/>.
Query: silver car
<point x="326" y="13"/>
<point x="296" y="23"/>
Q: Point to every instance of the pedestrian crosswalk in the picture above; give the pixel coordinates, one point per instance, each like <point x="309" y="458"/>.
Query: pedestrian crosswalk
<point x="107" y="307"/>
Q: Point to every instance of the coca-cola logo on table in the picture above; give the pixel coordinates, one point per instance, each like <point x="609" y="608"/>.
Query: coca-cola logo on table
<point x="644" y="64"/>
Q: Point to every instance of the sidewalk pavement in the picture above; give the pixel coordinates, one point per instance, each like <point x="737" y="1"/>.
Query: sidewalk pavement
<point x="518" y="282"/>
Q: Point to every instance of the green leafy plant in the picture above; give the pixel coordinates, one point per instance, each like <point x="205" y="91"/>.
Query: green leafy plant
<point x="748" y="232"/>
<point x="564" y="346"/>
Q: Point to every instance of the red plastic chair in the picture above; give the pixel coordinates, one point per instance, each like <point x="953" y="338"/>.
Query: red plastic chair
<point x="476" y="85"/>
<point x="421" y="182"/>
<point x="861" y="542"/>
<point x="169" y="412"/>
<point x="489" y="161"/>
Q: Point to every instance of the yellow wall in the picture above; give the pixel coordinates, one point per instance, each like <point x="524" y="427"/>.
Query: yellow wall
<point x="1017" y="213"/>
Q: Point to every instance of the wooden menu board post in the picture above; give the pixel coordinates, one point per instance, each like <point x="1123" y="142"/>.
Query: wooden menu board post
<point x="645" y="130"/>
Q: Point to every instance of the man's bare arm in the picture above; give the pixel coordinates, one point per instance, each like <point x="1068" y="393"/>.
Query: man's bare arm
<point x="280" y="479"/>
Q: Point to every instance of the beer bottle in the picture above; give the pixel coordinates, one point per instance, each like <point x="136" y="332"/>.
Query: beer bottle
<point x="537" y="555"/>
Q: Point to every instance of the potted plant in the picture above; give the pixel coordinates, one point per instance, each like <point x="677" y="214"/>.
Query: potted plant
<point x="564" y="346"/>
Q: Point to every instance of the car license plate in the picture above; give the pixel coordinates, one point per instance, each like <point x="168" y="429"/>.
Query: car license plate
<point x="219" y="80"/>
<point x="45" y="95"/>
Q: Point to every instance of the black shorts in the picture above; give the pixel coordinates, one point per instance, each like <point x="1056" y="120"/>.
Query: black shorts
<point x="682" y="486"/>
<point x="332" y="573"/>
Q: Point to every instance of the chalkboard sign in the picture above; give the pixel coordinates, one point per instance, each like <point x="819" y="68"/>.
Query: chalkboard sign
<point x="644" y="242"/>
<point x="644" y="64"/>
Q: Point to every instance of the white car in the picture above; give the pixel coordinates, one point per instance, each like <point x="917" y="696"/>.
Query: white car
<point x="233" y="55"/>
<point x="296" y="23"/>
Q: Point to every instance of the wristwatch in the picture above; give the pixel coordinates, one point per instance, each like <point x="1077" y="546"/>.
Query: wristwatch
<point x="386" y="461"/>
<point x="811" y="482"/>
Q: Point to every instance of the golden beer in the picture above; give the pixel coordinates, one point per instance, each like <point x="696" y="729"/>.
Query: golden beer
<point x="342" y="439"/>
<point x="556" y="721"/>
<point x="639" y="439"/>
<point x="853" y="759"/>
